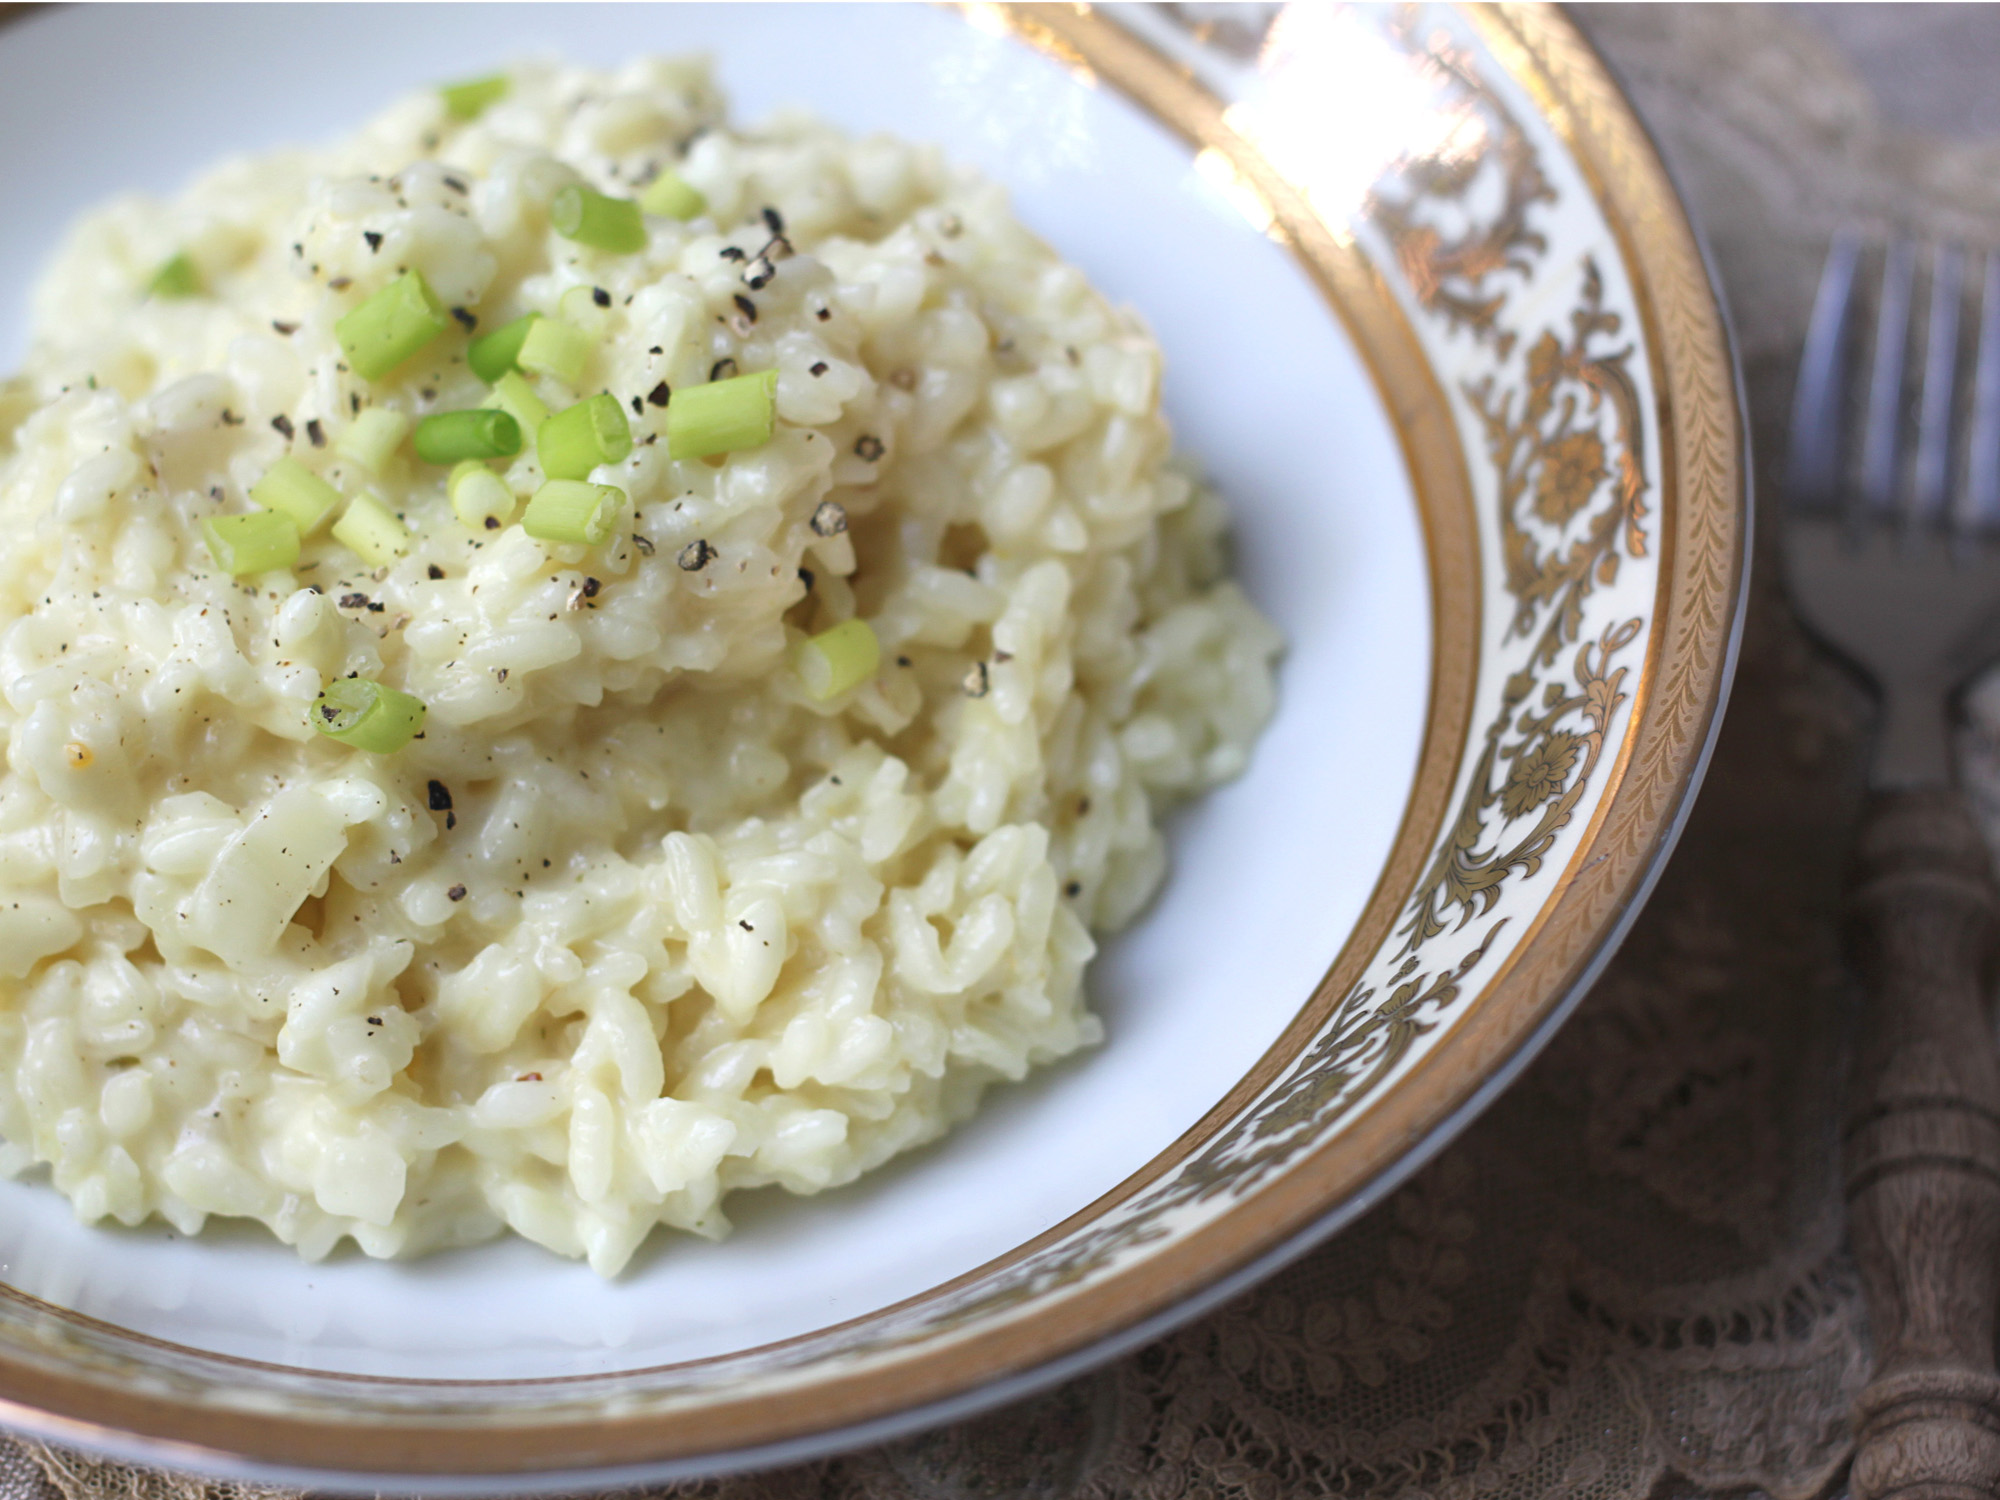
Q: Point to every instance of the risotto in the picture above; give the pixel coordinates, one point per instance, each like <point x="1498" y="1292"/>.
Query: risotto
<point x="560" y="660"/>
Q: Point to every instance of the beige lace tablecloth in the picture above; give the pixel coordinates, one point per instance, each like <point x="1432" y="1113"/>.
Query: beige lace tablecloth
<point x="1627" y="1280"/>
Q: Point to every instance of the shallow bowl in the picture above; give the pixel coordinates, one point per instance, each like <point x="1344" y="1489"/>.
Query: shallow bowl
<point x="1437" y="327"/>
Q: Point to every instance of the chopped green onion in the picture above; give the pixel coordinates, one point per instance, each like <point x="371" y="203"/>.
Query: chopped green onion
<point x="590" y="218"/>
<point x="447" y="436"/>
<point x="835" y="660"/>
<point x="373" y="437"/>
<point x="372" y="531"/>
<point x="293" y="490"/>
<point x="470" y="99"/>
<point x="552" y="347"/>
<point x="391" y="326"/>
<point x="479" y="497"/>
<point x="367" y="715"/>
<point x="568" y="510"/>
<point x="260" y="542"/>
<point x="492" y="355"/>
<point x="175" y="278"/>
<point x="672" y="196"/>
<point x="724" y="416"/>
<point x="517" y="398"/>
<point x="576" y="440"/>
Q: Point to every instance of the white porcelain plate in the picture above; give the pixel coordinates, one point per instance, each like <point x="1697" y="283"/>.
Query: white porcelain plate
<point x="1458" y="373"/>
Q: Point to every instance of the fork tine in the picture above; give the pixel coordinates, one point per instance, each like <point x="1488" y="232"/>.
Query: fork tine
<point x="1885" y="380"/>
<point x="1933" y="466"/>
<point x="1814" y="456"/>
<point x="1981" y="504"/>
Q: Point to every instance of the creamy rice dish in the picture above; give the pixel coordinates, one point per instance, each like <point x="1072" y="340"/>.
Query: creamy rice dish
<point x="559" y="659"/>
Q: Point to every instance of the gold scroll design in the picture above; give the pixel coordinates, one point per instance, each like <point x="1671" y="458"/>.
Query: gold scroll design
<point x="1457" y="278"/>
<point x="1550" y="452"/>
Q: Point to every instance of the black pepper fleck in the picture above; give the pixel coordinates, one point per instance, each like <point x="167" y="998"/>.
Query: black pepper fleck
<point x="287" y="329"/>
<point x="695" y="556"/>
<point x="829" y="518"/>
<point x="868" y="448"/>
<point x="818" y="368"/>
<point x="283" y="425"/>
<point x="722" y="369"/>
<point x="659" y="395"/>
<point x="374" y="241"/>
<point x="315" y="433"/>
<point x="435" y="571"/>
<point x="772" y="220"/>
<point x="466" y="320"/>
<point x="745" y="306"/>
<point x="976" y="681"/>
<point x="456" y="893"/>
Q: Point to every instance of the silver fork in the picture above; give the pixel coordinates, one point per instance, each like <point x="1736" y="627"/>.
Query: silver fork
<point x="1893" y="559"/>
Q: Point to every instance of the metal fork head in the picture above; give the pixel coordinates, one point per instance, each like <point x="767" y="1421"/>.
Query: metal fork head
<point x="1892" y="528"/>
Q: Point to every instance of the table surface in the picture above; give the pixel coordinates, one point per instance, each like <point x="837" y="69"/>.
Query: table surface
<point x="1627" y="1280"/>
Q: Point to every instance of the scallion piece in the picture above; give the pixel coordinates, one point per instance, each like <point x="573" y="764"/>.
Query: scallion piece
<point x="446" y="437"/>
<point x="176" y="278"/>
<point x="480" y="498"/>
<point x="492" y="355"/>
<point x="367" y="715"/>
<point x="470" y="99"/>
<point x="291" y="489"/>
<point x="724" y="416"/>
<point x="371" y="531"/>
<point x="672" y="196"/>
<point x="590" y="218"/>
<point x="391" y="326"/>
<point x="576" y="440"/>
<point x="835" y="660"/>
<point x="517" y="398"/>
<point x="260" y="542"/>
<point x="372" y="437"/>
<point x="553" y="347"/>
<point x="568" y="510"/>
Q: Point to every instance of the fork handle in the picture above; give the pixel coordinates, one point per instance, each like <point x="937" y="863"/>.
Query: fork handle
<point x="1923" y="1151"/>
